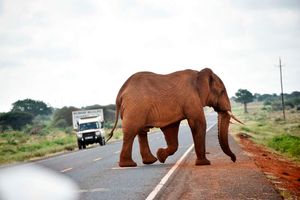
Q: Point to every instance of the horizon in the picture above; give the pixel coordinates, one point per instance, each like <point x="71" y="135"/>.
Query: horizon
<point x="79" y="53"/>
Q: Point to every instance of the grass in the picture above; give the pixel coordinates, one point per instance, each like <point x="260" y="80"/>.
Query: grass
<point x="268" y="128"/>
<point x="286" y="144"/>
<point x="16" y="146"/>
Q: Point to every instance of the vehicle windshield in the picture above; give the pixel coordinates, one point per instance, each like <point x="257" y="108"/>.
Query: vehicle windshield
<point x="89" y="125"/>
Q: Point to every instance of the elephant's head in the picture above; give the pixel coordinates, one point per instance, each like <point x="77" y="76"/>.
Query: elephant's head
<point x="213" y="93"/>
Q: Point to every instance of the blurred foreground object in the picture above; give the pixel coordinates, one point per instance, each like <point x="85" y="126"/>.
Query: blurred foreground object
<point x="31" y="182"/>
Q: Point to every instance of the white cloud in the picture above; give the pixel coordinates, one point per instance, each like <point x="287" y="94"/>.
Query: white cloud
<point x="56" y="50"/>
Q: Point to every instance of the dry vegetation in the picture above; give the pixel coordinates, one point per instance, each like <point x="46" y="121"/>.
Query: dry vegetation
<point x="267" y="127"/>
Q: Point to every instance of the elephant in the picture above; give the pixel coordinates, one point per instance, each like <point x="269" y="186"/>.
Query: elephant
<point x="148" y="100"/>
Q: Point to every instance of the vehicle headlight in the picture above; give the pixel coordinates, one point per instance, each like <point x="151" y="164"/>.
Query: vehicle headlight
<point x="98" y="133"/>
<point x="79" y="135"/>
<point x="102" y="132"/>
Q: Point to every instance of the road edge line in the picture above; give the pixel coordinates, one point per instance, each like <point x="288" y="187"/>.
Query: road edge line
<point x="163" y="181"/>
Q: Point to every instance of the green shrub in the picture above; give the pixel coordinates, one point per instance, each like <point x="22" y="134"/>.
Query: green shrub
<point x="64" y="113"/>
<point x="267" y="103"/>
<point x="276" y="105"/>
<point x="16" y="120"/>
<point x="68" y="130"/>
<point x="61" y="123"/>
<point x="286" y="144"/>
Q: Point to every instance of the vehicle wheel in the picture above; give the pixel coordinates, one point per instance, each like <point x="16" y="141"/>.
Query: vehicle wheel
<point x="102" y="141"/>
<point x="79" y="145"/>
<point x="84" y="146"/>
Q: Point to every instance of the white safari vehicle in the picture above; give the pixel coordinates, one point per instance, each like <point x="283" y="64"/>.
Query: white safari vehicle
<point x="89" y="127"/>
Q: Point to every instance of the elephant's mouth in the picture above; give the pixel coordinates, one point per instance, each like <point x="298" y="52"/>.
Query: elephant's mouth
<point x="223" y="125"/>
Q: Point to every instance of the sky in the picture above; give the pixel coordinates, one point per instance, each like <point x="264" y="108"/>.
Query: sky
<point x="80" y="52"/>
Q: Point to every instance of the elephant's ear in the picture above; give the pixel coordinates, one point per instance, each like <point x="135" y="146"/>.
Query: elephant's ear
<point x="206" y="76"/>
<point x="205" y="80"/>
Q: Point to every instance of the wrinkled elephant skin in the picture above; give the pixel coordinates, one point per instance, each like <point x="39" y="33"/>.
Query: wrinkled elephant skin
<point x="148" y="100"/>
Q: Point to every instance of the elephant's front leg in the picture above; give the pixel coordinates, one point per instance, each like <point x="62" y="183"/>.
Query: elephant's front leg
<point x="125" y="156"/>
<point x="198" y="128"/>
<point x="147" y="156"/>
<point x="171" y="136"/>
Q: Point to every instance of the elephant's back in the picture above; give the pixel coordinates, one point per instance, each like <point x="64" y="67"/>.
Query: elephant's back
<point x="158" y="82"/>
<point x="149" y="85"/>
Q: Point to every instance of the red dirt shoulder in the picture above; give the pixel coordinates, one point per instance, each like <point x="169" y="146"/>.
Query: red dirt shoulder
<point x="283" y="173"/>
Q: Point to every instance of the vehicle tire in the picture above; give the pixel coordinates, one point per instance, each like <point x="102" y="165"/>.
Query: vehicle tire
<point x="84" y="146"/>
<point x="102" y="141"/>
<point x="79" y="144"/>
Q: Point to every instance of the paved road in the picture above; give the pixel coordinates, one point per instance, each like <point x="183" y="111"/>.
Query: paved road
<point x="96" y="170"/>
<point x="223" y="179"/>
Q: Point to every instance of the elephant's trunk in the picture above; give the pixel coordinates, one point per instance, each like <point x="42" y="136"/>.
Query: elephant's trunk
<point x="223" y="125"/>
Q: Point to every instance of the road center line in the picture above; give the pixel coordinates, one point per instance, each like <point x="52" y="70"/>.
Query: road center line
<point x="96" y="159"/>
<point x="163" y="181"/>
<point x="93" y="190"/>
<point x="65" y="170"/>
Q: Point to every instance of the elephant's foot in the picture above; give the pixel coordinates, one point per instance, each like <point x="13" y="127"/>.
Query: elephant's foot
<point x="162" y="155"/>
<point x="202" y="162"/>
<point x="149" y="160"/>
<point x="127" y="163"/>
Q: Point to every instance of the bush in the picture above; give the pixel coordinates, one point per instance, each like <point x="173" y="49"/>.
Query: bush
<point x="69" y="130"/>
<point x="289" y="104"/>
<point x="16" y="120"/>
<point x="276" y="106"/>
<point x="286" y="144"/>
<point x="267" y="103"/>
<point x="61" y="123"/>
<point x="64" y="113"/>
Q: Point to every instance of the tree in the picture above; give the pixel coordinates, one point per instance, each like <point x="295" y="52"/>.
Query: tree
<point x="64" y="113"/>
<point x="15" y="120"/>
<point x="244" y="96"/>
<point x="31" y="106"/>
<point x="256" y="96"/>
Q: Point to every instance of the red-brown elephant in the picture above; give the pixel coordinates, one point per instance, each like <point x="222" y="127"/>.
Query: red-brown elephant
<point x="148" y="100"/>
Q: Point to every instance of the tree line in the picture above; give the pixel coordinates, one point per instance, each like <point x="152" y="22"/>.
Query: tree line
<point x="34" y="116"/>
<point x="244" y="96"/>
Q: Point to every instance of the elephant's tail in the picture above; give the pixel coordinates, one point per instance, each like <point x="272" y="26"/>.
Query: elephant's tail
<point x="116" y="122"/>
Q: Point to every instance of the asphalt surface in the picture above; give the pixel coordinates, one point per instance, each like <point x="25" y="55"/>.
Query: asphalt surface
<point x="223" y="179"/>
<point x="95" y="170"/>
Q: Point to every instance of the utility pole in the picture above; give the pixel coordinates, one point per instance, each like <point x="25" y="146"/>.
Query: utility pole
<point x="282" y="99"/>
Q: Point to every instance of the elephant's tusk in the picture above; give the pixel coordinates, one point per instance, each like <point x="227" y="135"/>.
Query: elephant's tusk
<point x="236" y="119"/>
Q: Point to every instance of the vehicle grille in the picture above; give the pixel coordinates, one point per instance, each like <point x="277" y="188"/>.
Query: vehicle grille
<point x="89" y="136"/>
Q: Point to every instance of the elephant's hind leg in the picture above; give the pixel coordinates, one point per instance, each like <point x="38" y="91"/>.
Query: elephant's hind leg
<point x="125" y="156"/>
<point x="147" y="156"/>
<point x="171" y="136"/>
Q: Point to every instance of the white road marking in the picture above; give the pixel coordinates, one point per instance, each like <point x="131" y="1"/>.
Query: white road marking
<point x="65" y="170"/>
<point x="163" y="181"/>
<point x="93" y="190"/>
<point x="117" y="152"/>
<point x="122" y="168"/>
<point x="96" y="159"/>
